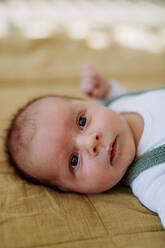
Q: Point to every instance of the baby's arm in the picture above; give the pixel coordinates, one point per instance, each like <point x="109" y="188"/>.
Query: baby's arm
<point x="97" y="86"/>
<point x="149" y="187"/>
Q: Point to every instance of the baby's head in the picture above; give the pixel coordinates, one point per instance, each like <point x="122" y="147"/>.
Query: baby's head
<point x="72" y="144"/>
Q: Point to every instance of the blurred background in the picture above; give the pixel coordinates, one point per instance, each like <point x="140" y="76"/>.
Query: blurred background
<point x="46" y="42"/>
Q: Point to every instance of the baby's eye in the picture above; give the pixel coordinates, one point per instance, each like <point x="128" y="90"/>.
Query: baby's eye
<point x="74" y="161"/>
<point x="82" y="121"/>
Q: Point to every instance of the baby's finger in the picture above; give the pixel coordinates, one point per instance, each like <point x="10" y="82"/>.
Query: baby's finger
<point x="86" y="85"/>
<point x="88" y="71"/>
<point x="88" y="67"/>
<point x="87" y="76"/>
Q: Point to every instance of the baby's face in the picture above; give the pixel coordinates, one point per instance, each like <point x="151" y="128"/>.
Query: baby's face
<point x="80" y="146"/>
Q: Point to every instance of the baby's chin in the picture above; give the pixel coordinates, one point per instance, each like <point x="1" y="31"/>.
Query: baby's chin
<point x="95" y="190"/>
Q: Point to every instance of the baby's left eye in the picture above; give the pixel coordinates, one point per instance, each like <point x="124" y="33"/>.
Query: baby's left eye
<point x="74" y="161"/>
<point x="82" y="122"/>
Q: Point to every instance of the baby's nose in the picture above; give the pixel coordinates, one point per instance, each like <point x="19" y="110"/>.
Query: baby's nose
<point x="93" y="143"/>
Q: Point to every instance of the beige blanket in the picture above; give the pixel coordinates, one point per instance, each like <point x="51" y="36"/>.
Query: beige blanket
<point x="35" y="216"/>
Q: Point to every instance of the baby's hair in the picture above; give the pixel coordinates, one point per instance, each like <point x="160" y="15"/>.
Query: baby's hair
<point x="17" y="140"/>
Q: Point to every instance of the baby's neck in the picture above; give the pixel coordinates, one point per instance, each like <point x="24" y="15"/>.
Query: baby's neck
<point x="136" y="124"/>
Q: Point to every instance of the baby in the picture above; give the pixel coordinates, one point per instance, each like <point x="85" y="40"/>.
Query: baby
<point x="86" y="147"/>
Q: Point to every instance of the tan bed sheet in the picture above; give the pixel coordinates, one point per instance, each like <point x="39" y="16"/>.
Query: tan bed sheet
<point x="35" y="216"/>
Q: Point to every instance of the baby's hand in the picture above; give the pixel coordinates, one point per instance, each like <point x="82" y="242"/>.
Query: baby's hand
<point x="94" y="84"/>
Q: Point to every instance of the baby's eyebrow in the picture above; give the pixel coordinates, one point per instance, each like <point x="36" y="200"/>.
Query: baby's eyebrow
<point x="72" y="117"/>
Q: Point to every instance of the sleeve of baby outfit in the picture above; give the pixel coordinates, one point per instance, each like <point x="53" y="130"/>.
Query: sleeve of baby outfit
<point x="116" y="90"/>
<point x="149" y="187"/>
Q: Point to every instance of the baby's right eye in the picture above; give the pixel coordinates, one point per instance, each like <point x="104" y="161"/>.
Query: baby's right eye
<point x="82" y="122"/>
<point x="74" y="161"/>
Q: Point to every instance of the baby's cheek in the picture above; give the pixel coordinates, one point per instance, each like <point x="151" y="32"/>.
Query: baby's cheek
<point x="99" y="161"/>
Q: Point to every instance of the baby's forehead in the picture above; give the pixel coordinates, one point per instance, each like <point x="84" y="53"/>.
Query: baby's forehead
<point x="53" y="128"/>
<point x="53" y="101"/>
<point x="53" y="113"/>
<point x="42" y="105"/>
<point x="58" y="104"/>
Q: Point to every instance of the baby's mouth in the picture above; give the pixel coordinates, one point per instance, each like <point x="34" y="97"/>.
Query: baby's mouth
<point x="113" y="150"/>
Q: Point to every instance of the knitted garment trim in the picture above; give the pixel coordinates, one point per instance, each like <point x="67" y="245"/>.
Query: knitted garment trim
<point x="143" y="162"/>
